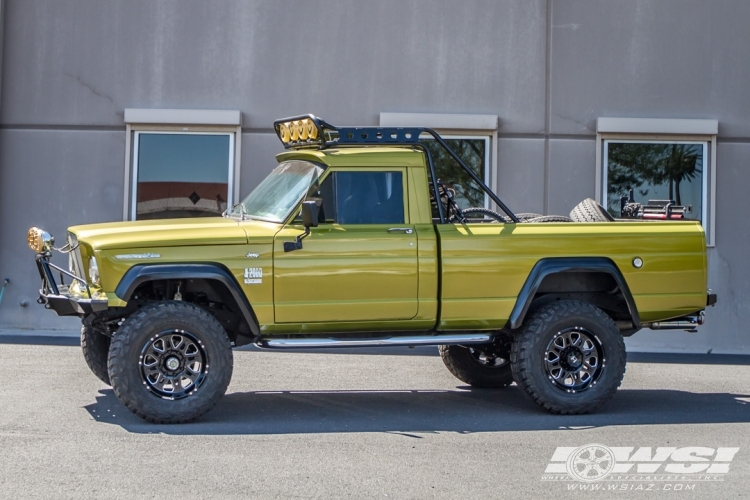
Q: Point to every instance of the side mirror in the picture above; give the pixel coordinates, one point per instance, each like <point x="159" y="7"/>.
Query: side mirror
<point x="309" y="219"/>
<point x="309" y="214"/>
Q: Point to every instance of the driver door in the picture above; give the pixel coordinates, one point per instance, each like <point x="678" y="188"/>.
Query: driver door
<point x="360" y="263"/>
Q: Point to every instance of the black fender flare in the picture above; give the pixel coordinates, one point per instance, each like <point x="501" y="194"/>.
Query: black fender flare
<point x="545" y="267"/>
<point x="142" y="273"/>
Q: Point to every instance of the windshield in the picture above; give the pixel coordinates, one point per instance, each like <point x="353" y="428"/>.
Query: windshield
<point x="280" y="192"/>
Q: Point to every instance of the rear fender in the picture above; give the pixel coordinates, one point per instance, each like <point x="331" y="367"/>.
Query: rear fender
<point x="546" y="267"/>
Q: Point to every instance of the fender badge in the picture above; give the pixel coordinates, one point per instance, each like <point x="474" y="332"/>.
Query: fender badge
<point x="252" y="255"/>
<point x="138" y="256"/>
<point x="253" y="275"/>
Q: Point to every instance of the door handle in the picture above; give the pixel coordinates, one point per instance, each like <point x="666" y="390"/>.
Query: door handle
<point x="406" y="230"/>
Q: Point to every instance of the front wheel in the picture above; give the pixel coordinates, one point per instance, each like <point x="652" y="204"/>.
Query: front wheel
<point x="170" y="362"/>
<point x="569" y="357"/>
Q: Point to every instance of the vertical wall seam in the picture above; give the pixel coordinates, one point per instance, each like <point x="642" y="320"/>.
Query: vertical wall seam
<point x="2" y="45"/>
<point x="547" y="103"/>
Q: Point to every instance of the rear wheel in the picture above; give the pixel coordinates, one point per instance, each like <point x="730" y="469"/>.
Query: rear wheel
<point x="95" y="348"/>
<point x="569" y="357"/>
<point x="485" y="366"/>
<point x="170" y="362"/>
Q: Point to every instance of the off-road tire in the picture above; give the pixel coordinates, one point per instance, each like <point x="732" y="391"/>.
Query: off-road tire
<point x="549" y="218"/>
<point x="529" y="351"/>
<point x="95" y="348"/>
<point x="477" y="213"/>
<point x="590" y="211"/>
<point x="525" y="216"/>
<point x="464" y="366"/>
<point x="138" y="331"/>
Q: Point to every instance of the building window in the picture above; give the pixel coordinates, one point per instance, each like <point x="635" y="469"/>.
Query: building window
<point x="475" y="152"/>
<point x="181" y="174"/>
<point x="181" y="163"/>
<point x="672" y="160"/>
<point x="657" y="170"/>
<point x="472" y="137"/>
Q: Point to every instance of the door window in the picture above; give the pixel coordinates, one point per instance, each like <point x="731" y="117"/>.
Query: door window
<point x="361" y="198"/>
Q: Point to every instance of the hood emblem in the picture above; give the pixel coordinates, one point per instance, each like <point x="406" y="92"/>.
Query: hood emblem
<point x="138" y="256"/>
<point x="252" y="255"/>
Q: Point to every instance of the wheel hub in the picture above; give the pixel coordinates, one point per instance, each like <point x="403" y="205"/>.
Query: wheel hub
<point x="574" y="359"/>
<point x="173" y="364"/>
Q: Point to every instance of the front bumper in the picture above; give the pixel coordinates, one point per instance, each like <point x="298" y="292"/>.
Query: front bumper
<point x="59" y="297"/>
<point x="68" y="305"/>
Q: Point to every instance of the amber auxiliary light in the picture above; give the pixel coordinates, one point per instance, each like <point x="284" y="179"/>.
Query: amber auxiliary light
<point x="39" y="240"/>
<point x="299" y="131"/>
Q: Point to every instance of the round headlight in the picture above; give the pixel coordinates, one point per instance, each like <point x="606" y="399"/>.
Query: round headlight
<point x="93" y="271"/>
<point x="39" y="240"/>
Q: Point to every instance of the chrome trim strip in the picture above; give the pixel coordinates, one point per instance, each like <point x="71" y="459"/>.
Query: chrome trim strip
<point x="464" y="338"/>
<point x="138" y="256"/>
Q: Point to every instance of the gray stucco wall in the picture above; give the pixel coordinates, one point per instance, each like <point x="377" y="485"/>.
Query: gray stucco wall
<point x="547" y="68"/>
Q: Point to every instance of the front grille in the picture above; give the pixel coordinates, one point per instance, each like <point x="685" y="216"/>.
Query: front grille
<point x="75" y="262"/>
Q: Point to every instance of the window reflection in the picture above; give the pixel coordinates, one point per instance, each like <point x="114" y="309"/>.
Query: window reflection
<point x="182" y="175"/>
<point x="656" y="171"/>
<point x="473" y="153"/>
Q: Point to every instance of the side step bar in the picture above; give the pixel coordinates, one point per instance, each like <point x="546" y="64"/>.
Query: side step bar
<point x="300" y="343"/>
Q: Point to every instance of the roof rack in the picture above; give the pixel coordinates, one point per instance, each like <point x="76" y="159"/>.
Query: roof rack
<point x="309" y="131"/>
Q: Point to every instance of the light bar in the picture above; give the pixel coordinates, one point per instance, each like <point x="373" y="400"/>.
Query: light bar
<point x="300" y="131"/>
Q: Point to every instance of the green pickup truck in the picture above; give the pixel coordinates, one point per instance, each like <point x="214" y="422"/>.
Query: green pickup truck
<point x="353" y="240"/>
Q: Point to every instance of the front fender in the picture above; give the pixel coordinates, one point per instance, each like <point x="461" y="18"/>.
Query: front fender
<point x="143" y="273"/>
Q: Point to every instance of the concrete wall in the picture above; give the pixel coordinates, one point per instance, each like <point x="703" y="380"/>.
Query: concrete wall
<point x="547" y="68"/>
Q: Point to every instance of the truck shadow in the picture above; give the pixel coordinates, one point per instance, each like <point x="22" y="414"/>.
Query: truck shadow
<point x="463" y="410"/>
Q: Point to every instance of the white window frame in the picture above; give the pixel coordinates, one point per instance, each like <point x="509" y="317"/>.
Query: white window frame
<point x="180" y="121"/>
<point x="663" y="131"/>
<point x="457" y="126"/>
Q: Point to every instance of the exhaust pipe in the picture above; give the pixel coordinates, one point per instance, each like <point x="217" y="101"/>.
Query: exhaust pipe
<point x="301" y="343"/>
<point x="687" y="323"/>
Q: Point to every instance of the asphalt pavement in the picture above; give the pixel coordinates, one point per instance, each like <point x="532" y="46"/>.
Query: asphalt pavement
<point x="385" y="423"/>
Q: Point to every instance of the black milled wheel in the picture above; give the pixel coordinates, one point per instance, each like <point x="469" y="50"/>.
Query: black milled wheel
<point x="485" y="366"/>
<point x="95" y="348"/>
<point x="170" y="362"/>
<point x="569" y="357"/>
<point x="590" y="211"/>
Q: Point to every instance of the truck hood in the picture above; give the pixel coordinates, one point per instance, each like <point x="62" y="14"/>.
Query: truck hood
<point x="174" y="232"/>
